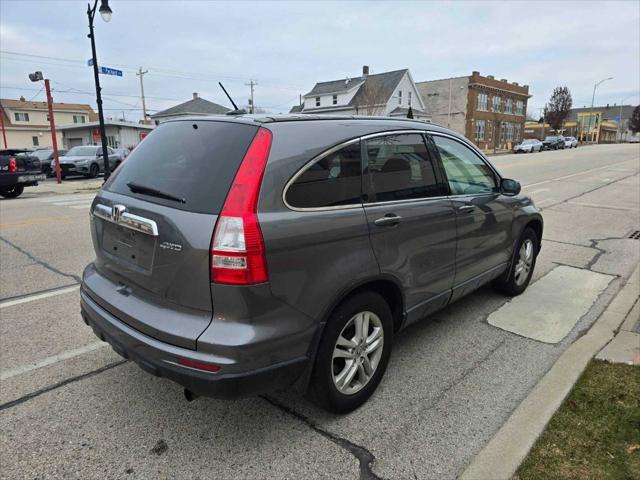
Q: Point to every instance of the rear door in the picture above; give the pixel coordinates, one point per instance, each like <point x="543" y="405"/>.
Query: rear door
<point x="484" y="215"/>
<point x="153" y="223"/>
<point x="411" y="221"/>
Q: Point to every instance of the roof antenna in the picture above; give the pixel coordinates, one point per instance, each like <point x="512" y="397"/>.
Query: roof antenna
<point x="235" y="107"/>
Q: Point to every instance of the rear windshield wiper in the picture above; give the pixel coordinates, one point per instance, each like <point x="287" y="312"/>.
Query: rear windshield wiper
<point x="137" y="188"/>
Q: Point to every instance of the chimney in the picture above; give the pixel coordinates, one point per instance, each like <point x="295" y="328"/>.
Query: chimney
<point x="503" y="80"/>
<point x="476" y="73"/>
<point x="491" y="77"/>
<point x="22" y="99"/>
<point x="514" y="83"/>
<point x="365" y="71"/>
<point x="195" y="95"/>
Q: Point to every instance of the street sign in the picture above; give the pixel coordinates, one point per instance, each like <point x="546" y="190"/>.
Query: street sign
<point x="106" y="70"/>
<point x="110" y="71"/>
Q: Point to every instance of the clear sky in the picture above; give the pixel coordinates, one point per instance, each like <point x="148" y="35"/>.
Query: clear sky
<point x="287" y="46"/>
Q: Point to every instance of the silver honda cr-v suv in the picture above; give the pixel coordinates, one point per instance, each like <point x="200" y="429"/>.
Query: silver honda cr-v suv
<point x="238" y="255"/>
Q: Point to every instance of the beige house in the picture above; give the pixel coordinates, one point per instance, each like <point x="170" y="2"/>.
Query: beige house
<point x="26" y="124"/>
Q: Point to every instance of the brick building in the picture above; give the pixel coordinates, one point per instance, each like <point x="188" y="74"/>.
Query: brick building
<point x="489" y="112"/>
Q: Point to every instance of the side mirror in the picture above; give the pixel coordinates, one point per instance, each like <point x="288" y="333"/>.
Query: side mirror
<point x="99" y="155"/>
<point x="510" y="187"/>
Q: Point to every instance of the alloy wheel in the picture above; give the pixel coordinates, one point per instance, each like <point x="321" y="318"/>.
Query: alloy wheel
<point x="357" y="352"/>
<point x="525" y="261"/>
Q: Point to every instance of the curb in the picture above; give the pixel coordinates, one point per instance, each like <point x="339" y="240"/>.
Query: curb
<point x="501" y="457"/>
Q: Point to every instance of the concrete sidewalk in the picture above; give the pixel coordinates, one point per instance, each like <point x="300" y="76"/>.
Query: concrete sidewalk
<point x="614" y="336"/>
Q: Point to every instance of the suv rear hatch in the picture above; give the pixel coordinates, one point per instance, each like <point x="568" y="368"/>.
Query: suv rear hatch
<point x="152" y="226"/>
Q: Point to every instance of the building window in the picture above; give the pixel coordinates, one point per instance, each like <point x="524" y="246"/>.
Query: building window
<point x="480" y="130"/>
<point x="495" y="107"/>
<point x="21" y="117"/>
<point x="317" y="101"/>
<point x="111" y="141"/>
<point x="399" y="97"/>
<point x="78" y="119"/>
<point x="520" y="107"/>
<point x="508" y="106"/>
<point x="483" y="98"/>
<point x="335" y="99"/>
<point x="516" y="134"/>
<point x="35" y="141"/>
<point x="409" y="98"/>
<point x="509" y="132"/>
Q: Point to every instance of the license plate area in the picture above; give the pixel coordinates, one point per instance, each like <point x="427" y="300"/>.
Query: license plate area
<point x="130" y="246"/>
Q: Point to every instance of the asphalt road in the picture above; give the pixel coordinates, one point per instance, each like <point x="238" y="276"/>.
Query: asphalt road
<point x="71" y="408"/>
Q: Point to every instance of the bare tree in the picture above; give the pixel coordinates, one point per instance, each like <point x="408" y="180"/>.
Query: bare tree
<point x="371" y="98"/>
<point x="634" y="121"/>
<point x="558" y="107"/>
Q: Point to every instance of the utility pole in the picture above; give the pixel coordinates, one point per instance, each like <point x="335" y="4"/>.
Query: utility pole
<point x="36" y="77"/>
<point x="4" y="135"/>
<point x="52" y="124"/>
<point x="140" y="73"/>
<point x="252" y="84"/>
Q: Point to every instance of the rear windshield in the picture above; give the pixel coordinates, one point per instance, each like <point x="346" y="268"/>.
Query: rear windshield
<point x="191" y="160"/>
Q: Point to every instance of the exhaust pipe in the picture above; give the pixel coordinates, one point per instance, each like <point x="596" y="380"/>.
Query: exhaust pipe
<point x="189" y="395"/>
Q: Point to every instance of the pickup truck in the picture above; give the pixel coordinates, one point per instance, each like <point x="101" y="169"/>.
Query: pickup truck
<point x="18" y="169"/>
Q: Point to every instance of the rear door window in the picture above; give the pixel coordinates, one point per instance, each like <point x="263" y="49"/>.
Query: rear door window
<point x="334" y="180"/>
<point x="400" y="168"/>
<point x="192" y="160"/>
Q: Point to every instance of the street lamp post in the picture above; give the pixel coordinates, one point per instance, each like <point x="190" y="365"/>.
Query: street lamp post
<point x="105" y="13"/>
<point x="593" y="97"/>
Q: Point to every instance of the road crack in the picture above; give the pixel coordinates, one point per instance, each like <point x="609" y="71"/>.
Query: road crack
<point x="364" y="456"/>
<point x="57" y="385"/>
<point x="41" y="262"/>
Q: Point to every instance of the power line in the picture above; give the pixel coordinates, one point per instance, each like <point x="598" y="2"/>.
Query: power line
<point x="189" y="75"/>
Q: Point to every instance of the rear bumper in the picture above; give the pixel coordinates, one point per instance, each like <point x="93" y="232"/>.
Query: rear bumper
<point x="160" y="359"/>
<point x="8" y="179"/>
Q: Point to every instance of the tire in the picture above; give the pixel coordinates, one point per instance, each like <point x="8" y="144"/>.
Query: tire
<point x="47" y="171"/>
<point x="14" y="191"/>
<point x="94" y="170"/>
<point x="371" y="309"/>
<point x="513" y="283"/>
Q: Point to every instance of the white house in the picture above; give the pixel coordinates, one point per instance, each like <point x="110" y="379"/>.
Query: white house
<point x="388" y="93"/>
<point x="119" y="134"/>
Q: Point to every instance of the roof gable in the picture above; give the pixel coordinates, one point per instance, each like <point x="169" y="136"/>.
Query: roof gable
<point x="195" y="106"/>
<point x="379" y="86"/>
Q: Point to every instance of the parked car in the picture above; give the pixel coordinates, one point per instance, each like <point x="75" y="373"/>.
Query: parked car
<point x="45" y="155"/>
<point x="86" y="160"/>
<point x="19" y="168"/>
<point x="570" y="142"/>
<point x="553" y="143"/>
<point x="528" y="146"/>
<point x="122" y="152"/>
<point x="258" y="255"/>
<point x="633" y="139"/>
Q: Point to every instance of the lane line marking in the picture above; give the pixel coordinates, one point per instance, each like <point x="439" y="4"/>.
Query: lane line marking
<point x="575" y="174"/>
<point x="37" y="221"/>
<point x="540" y="190"/>
<point x="595" y="205"/>
<point x="38" y="296"/>
<point x="13" y="372"/>
<point x="80" y="207"/>
<point x="73" y="202"/>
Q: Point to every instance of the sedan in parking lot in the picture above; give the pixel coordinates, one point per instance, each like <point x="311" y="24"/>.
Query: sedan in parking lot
<point x="528" y="146"/>
<point x="86" y="160"/>
<point x="45" y="155"/>
<point x="553" y="143"/>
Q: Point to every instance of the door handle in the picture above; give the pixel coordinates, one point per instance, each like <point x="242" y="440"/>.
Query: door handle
<point x="388" y="220"/>
<point x="466" y="208"/>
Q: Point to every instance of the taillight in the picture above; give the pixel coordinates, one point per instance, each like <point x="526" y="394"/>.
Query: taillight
<point x="13" y="166"/>
<point x="237" y="250"/>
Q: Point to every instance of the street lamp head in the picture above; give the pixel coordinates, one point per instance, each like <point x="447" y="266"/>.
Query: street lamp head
<point x="36" y="76"/>
<point x="105" y="10"/>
